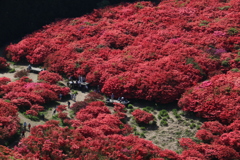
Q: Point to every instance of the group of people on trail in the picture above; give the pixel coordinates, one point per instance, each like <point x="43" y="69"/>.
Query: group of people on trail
<point x="24" y="129"/>
<point x="120" y="99"/>
<point x="79" y="83"/>
<point x="73" y="96"/>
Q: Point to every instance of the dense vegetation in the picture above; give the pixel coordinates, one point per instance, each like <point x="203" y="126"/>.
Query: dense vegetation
<point x="185" y="50"/>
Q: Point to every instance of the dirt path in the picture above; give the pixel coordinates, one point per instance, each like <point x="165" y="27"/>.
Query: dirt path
<point x="49" y="113"/>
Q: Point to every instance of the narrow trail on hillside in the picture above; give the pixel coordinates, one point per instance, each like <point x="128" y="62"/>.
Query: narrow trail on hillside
<point x="49" y="113"/>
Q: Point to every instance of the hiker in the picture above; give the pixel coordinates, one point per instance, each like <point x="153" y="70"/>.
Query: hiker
<point x="24" y="125"/>
<point x="81" y="79"/>
<point x="23" y="133"/>
<point x="29" y="127"/>
<point x="54" y="111"/>
<point x="74" y="97"/>
<point x="108" y="100"/>
<point x="69" y="104"/>
<point x="60" y="96"/>
<point x="122" y="99"/>
<point x="112" y="96"/>
<point x="29" y="67"/>
<point x="98" y="89"/>
<point x="71" y="94"/>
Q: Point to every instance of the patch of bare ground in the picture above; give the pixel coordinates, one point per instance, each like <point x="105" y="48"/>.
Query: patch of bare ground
<point x="165" y="132"/>
<point x="50" y="107"/>
<point x="170" y="125"/>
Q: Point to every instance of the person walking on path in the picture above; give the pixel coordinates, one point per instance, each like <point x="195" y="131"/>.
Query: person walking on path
<point x="74" y="97"/>
<point x="60" y="96"/>
<point x="112" y="97"/>
<point x="54" y="111"/>
<point x="71" y="94"/>
<point x="29" y="127"/>
<point x="24" y="125"/>
<point x="23" y="133"/>
<point x="69" y="104"/>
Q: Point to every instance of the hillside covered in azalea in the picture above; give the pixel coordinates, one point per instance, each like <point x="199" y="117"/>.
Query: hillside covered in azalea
<point x="186" y="51"/>
<point x="140" y="50"/>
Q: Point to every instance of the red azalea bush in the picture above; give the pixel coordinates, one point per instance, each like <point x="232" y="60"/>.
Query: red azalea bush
<point x="4" y="80"/>
<point x="78" y="105"/>
<point x="3" y="63"/>
<point x="102" y="135"/>
<point x="207" y="151"/>
<point x="6" y="153"/>
<point x="32" y="112"/>
<point x="61" y="108"/>
<point x="140" y="50"/>
<point x="92" y="110"/>
<point x="93" y="96"/>
<point x="9" y="121"/>
<point x="24" y="93"/>
<point x="50" y="77"/>
<point x="220" y="141"/>
<point x="120" y="110"/>
<point x="142" y="116"/>
<point x="213" y="132"/>
<point x="215" y="99"/>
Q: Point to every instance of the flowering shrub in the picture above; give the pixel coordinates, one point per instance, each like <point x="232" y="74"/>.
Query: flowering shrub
<point x="6" y="153"/>
<point x="95" y="137"/>
<point x="78" y="105"/>
<point x="26" y="94"/>
<point x="9" y="121"/>
<point x="216" y="99"/>
<point x="93" y="96"/>
<point x="50" y="77"/>
<point x="137" y="51"/>
<point x="61" y="108"/>
<point x="21" y="73"/>
<point x="140" y="50"/>
<point x="4" y="80"/>
<point x="3" y="63"/>
<point x="32" y="112"/>
<point x="142" y="116"/>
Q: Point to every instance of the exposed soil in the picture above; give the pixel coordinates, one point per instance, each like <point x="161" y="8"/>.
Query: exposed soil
<point x="166" y="137"/>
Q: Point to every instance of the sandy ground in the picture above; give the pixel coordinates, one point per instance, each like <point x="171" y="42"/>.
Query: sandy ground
<point x="34" y="76"/>
<point x="166" y="137"/>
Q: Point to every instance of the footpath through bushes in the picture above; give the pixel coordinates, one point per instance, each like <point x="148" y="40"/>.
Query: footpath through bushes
<point x="179" y="50"/>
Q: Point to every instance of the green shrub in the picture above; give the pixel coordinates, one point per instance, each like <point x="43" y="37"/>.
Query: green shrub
<point x="232" y="31"/>
<point x="130" y="106"/>
<point x="175" y="112"/>
<point x="7" y="100"/>
<point x="235" y="70"/>
<point x="203" y="23"/>
<point x="55" y="117"/>
<point x="224" y="7"/>
<point x="136" y="133"/>
<point x="142" y="128"/>
<point x="163" y="113"/>
<point x="192" y="125"/>
<point x="31" y="117"/>
<point x="142" y="135"/>
<point x="237" y="59"/>
<point x="164" y="122"/>
<point x="188" y="133"/>
<point x="131" y="110"/>
<point x="177" y="116"/>
<point x="148" y="109"/>
<point x="225" y="63"/>
<point x="11" y="70"/>
<point x="139" y="5"/>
